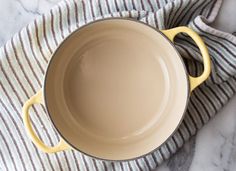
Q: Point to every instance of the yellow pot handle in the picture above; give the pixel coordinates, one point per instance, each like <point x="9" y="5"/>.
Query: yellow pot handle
<point x="194" y="81"/>
<point x="38" y="99"/>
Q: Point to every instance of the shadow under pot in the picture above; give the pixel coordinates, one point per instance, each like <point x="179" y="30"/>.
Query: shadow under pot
<point x="116" y="89"/>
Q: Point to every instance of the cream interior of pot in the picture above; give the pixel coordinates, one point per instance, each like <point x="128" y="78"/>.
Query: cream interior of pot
<point x="116" y="89"/>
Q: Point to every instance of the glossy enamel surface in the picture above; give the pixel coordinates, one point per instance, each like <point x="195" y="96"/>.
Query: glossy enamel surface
<point x="116" y="89"/>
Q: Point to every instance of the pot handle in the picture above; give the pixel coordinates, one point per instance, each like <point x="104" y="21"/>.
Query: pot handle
<point x="194" y="81"/>
<point x="38" y="99"/>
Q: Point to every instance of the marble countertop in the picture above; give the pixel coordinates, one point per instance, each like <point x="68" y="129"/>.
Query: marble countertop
<point x="214" y="147"/>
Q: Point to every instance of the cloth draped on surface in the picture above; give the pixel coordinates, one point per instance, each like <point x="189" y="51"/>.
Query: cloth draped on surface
<point x="24" y="58"/>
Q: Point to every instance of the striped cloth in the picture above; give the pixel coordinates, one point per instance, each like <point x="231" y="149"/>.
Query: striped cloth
<point x="24" y="59"/>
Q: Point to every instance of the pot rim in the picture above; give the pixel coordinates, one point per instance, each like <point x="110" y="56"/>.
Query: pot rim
<point x="77" y="30"/>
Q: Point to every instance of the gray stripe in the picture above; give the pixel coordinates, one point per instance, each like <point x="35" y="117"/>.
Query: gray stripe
<point x="91" y="163"/>
<point x="60" y="22"/>
<point x="133" y="5"/>
<point x="67" y="162"/>
<point x="170" y="14"/>
<point x="143" y="164"/>
<point x="92" y="8"/>
<point x="165" y="151"/>
<point x="155" y="159"/>
<point x="85" y="162"/>
<point x="214" y="107"/>
<point x="190" y="124"/>
<point x="151" y="161"/>
<point x="121" y="166"/>
<point x="114" y="7"/>
<point x="142" y="5"/>
<point x="117" y="7"/>
<point x="68" y="16"/>
<point x="147" y="163"/>
<point x="84" y="11"/>
<point x="13" y="137"/>
<point x="150" y="5"/>
<point x="222" y="60"/>
<point x="164" y="18"/>
<point x="175" y="140"/>
<point x="21" y="67"/>
<point x="216" y="92"/>
<point x="195" y="10"/>
<point x="14" y="72"/>
<point x="205" y="9"/>
<point x="45" y="34"/>
<point x="134" y="165"/>
<point x="198" y="104"/>
<point x="158" y="4"/>
<point x="196" y="109"/>
<point x="32" y="50"/>
<point x="100" y="8"/>
<point x="109" y="8"/>
<point x="199" y="99"/>
<point x="76" y="13"/>
<point x="76" y="160"/>
<point x="168" y="148"/>
<point x="38" y="41"/>
<point x="126" y="5"/>
<point x="232" y="87"/>
<point x="88" y="13"/>
<point x="213" y="95"/>
<point x="215" y="41"/>
<point x="186" y="13"/>
<point x="3" y="161"/>
<point x="172" y="145"/>
<point x="186" y="126"/>
<point x="203" y="104"/>
<point x="194" y="115"/>
<point x="158" y="157"/>
<point x="177" y="14"/>
<point x="224" y="50"/>
<point x="226" y="90"/>
<point x="28" y="62"/>
<point x="95" y="164"/>
<point x="212" y="7"/>
<point x="52" y="26"/>
<point x="105" y="166"/>
<point x="130" y="166"/>
<point x="137" y="5"/>
<point x="193" y="119"/>
<point x="137" y="163"/>
<point x="8" y="149"/>
<point x="182" y="137"/>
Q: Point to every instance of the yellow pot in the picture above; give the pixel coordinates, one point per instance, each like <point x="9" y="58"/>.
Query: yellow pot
<point x="116" y="89"/>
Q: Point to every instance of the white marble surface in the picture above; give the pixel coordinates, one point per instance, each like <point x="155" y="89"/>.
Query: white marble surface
<point x="15" y="14"/>
<point x="214" y="147"/>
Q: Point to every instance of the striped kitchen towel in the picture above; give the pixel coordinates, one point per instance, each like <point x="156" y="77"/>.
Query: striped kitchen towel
<point x="24" y="58"/>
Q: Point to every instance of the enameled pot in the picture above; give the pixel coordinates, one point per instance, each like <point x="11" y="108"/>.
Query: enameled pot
<point x="116" y="89"/>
